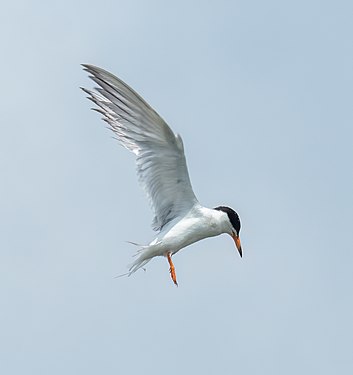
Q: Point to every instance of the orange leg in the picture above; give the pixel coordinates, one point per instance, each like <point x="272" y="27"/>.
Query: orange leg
<point x="172" y="269"/>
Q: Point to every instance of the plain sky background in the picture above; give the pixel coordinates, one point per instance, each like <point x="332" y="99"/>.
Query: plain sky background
<point x="261" y="92"/>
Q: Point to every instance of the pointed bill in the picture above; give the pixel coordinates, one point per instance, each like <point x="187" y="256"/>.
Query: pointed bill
<point x="237" y="243"/>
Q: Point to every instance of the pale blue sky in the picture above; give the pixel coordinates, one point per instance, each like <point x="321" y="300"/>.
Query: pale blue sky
<point x="262" y="94"/>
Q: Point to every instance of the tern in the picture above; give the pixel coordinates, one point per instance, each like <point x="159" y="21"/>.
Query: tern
<point x="179" y="218"/>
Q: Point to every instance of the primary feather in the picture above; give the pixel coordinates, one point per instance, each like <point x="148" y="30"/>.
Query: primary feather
<point x="160" y="159"/>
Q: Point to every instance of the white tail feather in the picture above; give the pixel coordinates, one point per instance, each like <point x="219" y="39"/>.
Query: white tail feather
<point x="144" y="254"/>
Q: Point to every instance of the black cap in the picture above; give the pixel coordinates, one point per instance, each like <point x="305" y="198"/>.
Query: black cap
<point x="233" y="217"/>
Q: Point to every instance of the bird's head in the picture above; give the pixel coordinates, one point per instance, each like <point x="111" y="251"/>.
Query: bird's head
<point x="233" y="227"/>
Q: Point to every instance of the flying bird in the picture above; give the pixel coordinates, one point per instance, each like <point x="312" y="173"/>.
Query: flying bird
<point x="179" y="218"/>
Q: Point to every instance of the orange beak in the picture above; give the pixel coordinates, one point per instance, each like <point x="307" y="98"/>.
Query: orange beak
<point x="237" y="243"/>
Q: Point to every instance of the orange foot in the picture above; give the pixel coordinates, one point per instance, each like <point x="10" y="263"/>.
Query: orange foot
<point x="172" y="269"/>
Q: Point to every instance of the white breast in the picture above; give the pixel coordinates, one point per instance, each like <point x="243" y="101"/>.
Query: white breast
<point x="197" y="224"/>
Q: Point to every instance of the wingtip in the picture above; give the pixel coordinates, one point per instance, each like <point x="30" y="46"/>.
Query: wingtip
<point x="85" y="90"/>
<point x="89" y="68"/>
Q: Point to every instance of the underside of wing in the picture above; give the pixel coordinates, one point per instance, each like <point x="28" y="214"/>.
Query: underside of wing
<point x="160" y="159"/>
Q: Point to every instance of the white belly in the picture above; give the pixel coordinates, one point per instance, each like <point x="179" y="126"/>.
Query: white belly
<point x="190" y="229"/>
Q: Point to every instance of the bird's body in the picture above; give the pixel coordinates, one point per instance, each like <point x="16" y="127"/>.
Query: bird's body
<point x="199" y="223"/>
<point x="162" y="171"/>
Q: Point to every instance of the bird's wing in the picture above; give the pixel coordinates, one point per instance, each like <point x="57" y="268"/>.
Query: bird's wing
<point x="160" y="159"/>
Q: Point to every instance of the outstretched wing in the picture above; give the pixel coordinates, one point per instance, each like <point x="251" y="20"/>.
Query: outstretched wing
<point x="160" y="159"/>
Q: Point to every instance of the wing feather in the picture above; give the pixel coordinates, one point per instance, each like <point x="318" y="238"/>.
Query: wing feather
<point x="160" y="159"/>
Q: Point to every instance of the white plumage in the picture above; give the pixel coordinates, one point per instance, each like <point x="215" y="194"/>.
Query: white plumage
<point x="161" y="170"/>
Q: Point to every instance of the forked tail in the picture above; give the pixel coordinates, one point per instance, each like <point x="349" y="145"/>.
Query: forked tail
<point x="142" y="258"/>
<point x="143" y="255"/>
